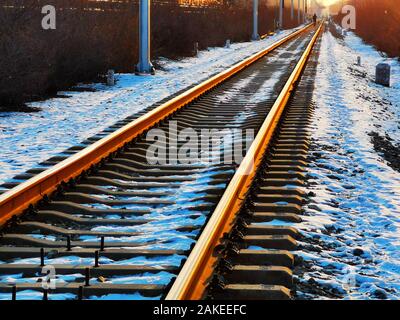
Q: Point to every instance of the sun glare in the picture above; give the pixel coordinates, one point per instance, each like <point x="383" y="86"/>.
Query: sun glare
<point x="327" y="2"/>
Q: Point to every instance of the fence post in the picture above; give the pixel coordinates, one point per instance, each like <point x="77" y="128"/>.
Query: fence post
<point x="255" y="35"/>
<point x="144" y="66"/>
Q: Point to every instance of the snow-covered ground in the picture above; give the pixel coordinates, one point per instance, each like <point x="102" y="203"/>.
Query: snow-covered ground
<point x="177" y="211"/>
<point x="352" y="223"/>
<point x="29" y="138"/>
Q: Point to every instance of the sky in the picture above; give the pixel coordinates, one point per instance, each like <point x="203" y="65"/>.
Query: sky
<point x="327" y="2"/>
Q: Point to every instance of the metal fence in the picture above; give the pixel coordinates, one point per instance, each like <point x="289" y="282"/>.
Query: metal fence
<point x="124" y="4"/>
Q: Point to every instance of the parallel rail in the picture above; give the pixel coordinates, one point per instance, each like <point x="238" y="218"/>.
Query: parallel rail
<point x="117" y="161"/>
<point x="195" y="276"/>
<point x="27" y="194"/>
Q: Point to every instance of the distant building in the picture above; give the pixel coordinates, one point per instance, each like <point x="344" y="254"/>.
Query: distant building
<point x="199" y="3"/>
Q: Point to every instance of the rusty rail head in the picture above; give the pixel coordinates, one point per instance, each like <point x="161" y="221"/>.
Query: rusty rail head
<point x="192" y="281"/>
<point x="28" y="193"/>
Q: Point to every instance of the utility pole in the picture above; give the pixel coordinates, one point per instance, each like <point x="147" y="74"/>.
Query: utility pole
<point x="255" y="35"/>
<point x="298" y="12"/>
<point x="144" y="66"/>
<point x="281" y="5"/>
<point x="292" y="10"/>
<point x="306" y="10"/>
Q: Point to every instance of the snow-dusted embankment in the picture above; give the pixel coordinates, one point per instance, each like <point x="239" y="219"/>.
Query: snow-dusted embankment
<point x="352" y="224"/>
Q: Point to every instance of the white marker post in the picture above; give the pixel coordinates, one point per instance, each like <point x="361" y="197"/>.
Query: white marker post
<point x="255" y="35"/>
<point x="144" y="66"/>
<point x="281" y="4"/>
<point x="382" y="74"/>
<point x="110" y="78"/>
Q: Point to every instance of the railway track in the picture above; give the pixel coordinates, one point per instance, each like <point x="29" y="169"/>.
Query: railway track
<point x="109" y="223"/>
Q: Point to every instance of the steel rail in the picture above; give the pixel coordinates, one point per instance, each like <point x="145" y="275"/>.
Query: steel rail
<point x="192" y="281"/>
<point x="18" y="199"/>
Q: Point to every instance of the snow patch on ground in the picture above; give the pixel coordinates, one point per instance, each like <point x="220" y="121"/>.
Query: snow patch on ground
<point x="353" y="219"/>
